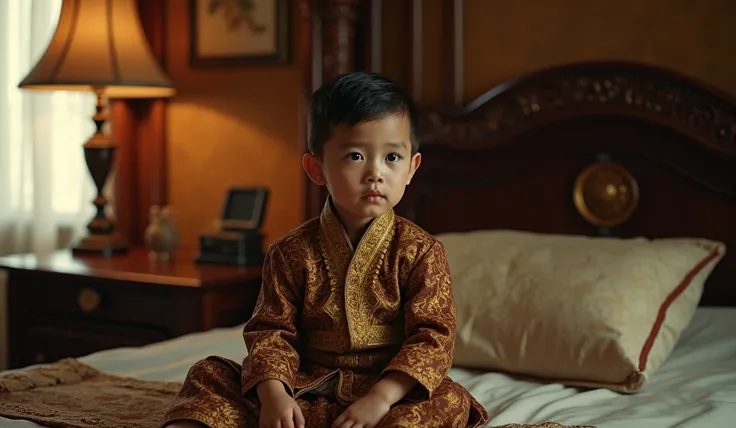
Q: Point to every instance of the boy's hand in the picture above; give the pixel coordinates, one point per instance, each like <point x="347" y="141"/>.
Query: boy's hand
<point x="278" y="409"/>
<point x="367" y="412"/>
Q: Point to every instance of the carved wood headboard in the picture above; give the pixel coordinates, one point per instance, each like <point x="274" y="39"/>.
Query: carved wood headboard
<point x="595" y="149"/>
<point x="612" y="149"/>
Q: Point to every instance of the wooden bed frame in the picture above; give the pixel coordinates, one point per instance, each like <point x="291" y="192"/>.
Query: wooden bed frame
<point x="600" y="149"/>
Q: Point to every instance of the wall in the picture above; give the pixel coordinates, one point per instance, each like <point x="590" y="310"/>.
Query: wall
<point x="230" y="126"/>
<point x="505" y="39"/>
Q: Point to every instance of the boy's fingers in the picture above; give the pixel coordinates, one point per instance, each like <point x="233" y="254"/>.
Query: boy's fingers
<point x="340" y="419"/>
<point x="347" y="424"/>
<point x="298" y="418"/>
<point x="276" y="424"/>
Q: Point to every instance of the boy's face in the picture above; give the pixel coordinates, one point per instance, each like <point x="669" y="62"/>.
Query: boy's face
<point x="366" y="168"/>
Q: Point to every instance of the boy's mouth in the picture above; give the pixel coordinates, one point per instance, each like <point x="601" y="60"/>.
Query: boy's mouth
<point x="373" y="196"/>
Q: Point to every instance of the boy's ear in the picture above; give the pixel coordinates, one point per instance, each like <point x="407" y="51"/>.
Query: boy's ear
<point x="416" y="160"/>
<point x="313" y="167"/>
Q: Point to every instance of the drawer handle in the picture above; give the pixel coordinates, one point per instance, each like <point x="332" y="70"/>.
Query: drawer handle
<point x="88" y="300"/>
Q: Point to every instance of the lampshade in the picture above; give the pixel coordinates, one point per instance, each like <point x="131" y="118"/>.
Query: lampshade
<point x="100" y="44"/>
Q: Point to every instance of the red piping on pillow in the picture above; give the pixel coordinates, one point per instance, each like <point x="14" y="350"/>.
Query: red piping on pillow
<point x="644" y="356"/>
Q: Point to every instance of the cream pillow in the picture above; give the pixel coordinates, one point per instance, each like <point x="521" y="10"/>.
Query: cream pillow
<point x="596" y="312"/>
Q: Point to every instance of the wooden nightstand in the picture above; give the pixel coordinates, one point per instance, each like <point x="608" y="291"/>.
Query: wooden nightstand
<point x="65" y="306"/>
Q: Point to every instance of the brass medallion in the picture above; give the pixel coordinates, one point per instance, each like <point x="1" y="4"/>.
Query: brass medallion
<point x="606" y="194"/>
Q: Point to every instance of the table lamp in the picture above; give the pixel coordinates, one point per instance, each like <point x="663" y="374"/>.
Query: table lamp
<point x="100" y="46"/>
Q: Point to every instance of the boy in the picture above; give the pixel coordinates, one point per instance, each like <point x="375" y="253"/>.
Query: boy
<point x="355" y="323"/>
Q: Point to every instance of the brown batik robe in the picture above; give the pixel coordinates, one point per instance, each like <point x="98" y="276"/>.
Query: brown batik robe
<point x="329" y="321"/>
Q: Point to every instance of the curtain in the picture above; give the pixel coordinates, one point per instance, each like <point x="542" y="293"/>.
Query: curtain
<point x="45" y="189"/>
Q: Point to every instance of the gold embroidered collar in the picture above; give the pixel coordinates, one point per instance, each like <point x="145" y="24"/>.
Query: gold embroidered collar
<point x="358" y="270"/>
<point x="336" y="236"/>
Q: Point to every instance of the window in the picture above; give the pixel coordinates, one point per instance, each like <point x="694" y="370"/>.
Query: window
<point x="42" y="164"/>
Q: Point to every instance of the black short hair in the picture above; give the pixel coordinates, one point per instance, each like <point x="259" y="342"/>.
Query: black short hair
<point x="353" y="98"/>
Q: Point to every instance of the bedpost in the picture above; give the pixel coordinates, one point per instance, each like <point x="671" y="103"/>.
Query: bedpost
<point x="328" y="33"/>
<point x="453" y="18"/>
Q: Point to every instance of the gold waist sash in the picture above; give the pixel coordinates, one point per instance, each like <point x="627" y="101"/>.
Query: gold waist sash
<point x="370" y="361"/>
<point x="377" y="336"/>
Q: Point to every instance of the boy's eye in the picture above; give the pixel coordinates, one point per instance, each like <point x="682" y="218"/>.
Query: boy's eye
<point x="355" y="156"/>
<point x="393" y="157"/>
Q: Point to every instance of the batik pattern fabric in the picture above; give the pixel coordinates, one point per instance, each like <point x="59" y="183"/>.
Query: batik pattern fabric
<point x="331" y="319"/>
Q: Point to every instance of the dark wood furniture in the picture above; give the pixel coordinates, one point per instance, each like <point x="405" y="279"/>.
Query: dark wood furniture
<point x="65" y="306"/>
<point x="661" y="146"/>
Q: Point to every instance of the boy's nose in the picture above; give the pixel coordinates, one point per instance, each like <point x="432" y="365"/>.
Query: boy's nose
<point x="375" y="177"/>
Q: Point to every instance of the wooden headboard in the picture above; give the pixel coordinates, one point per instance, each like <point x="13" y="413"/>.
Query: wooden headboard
<point x="598" y="149"/>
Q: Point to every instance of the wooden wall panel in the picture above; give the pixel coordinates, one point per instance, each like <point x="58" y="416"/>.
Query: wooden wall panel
<point x="139" y="127"/>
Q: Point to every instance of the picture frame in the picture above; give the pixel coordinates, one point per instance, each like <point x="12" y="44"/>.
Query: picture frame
<point x="244" y="209"/>
<point x="239" y="32"/>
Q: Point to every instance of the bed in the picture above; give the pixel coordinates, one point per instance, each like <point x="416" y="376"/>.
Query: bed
<point x="696" y="387"/>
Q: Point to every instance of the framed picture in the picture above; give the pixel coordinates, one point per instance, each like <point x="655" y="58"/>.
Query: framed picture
<point x="244" y="208"/>
<point x="235" y="32"/>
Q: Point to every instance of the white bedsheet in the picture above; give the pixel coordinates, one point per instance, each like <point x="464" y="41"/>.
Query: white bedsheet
<point x="696" y="387"/>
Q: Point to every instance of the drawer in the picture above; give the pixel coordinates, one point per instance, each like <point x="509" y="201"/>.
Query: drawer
<point x="108" y="300"/>
<point x="49" y="342"/>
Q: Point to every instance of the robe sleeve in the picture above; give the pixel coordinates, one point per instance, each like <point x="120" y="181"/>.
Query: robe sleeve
<point x="271" y="333"/>
<point x="429" y="312"/>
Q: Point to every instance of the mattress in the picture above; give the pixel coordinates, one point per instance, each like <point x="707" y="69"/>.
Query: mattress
<point x="696" y="387"/>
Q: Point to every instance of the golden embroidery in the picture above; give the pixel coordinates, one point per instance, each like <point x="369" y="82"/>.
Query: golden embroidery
<point x="336" y="252"/>
<point x="426" y="355"/>
<point x="271" y="333"/>
<point x="360" y="298"/>
<point x="345" y="387"/>
<point x="359" y="272"/>
<point x="352" y="360"/>
<point x="376" y="335"/>
<point x="395" y="292"/>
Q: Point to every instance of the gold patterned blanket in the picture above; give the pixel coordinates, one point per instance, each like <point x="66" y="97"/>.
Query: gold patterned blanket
<point x="70" y="394"/>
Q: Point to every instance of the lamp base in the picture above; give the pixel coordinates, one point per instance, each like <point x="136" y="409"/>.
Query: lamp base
<point x="99" y="152"/>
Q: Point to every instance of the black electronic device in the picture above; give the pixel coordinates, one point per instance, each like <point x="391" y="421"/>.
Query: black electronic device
<point x="239" y="240"/>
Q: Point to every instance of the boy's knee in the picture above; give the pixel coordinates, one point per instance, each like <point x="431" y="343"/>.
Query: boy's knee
<point x="212" y="362"/>
<point x="205" y="364"/>
<point x="215" y="368"/>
